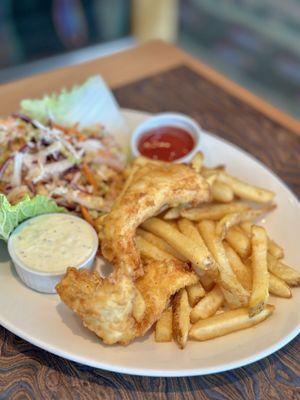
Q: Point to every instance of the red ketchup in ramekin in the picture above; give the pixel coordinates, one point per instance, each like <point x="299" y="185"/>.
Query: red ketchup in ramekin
<point x="166" y="143"/>
<point x="171" y="137"/>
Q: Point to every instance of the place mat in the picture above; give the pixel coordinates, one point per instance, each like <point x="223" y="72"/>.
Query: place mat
<point x="28" y="372"/>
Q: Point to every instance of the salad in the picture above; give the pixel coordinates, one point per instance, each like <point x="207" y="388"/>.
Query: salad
<point x="58" y="147"/>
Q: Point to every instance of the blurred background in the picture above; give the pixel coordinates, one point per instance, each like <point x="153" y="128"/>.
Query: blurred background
<point x="254" y="42"/>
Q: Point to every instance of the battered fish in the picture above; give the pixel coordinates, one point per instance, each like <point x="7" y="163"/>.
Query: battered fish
<point x="151" y="188"/>
<point x="120" y="311"/>
<point x="127" y="303"/>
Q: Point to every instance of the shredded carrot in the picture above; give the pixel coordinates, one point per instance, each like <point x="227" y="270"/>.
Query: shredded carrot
<point x="89" y="176"/>
<point x="81" y="137"/>
<point x="86" y="215"/>
<point x="70" y="130"/>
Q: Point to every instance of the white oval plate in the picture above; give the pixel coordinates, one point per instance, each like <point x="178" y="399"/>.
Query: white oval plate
<point x="45" y="322"/>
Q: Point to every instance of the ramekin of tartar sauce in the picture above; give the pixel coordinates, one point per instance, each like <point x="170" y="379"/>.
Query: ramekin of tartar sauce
<point x="43" y="247"/>
<point x="172" y="137"/>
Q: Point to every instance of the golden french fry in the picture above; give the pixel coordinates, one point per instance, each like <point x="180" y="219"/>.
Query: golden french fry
<point x="172" y="224"/>
<point x="189" y="230"/>
<point x="163" y="327"/>
<point x="160" y="243"/>
<point x="208" y="306"/>
<point x="173" y="213"/>
<point x="195" y="293"/>
<point x="213" y="211"/>
<point x="236" y="218"/>
<point x="239" y="241"/>
<point x="206" y="172"/>
<point x="278" y="287"/>
<point x="221" y="192"/>
<point x="199" y="256"/>
<point x="246" y="191"/>
<point x="260" y="281"/>
<point x="206" y="281"/>
<point x="197" y="161"/>
<point x="211" y="180"/>
<point x="235" y="294"/>
<point x="273" y="248"/>
<point x="181" y="318"/>
<point x="148" y="250"/>
<point x="227" y="322"/>
<point x="242" y="272"/>
<point x="283" y="271"/>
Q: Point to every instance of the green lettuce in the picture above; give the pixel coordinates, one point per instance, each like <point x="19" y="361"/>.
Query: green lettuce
<point x="12" y="215"/>
<point x="86" y="105"/>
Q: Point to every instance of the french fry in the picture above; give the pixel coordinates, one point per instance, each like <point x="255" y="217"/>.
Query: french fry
<point x="163" y="327"/>
<point x="221" y="192"/>
<point x="260" y="281"/>
<point x="227" y="322"/>
<point x="242" y="272"/>
<point x="211" y="180"/>
<point x="181" y="318"/>
<point x="236" y="218"/>
<point x="273" y="248"/>
<point x="239" y="241"/>
<point x="213" y="211"/>
<point x="235" y="294"/>
<point x="189" y="230"/>
<point x="278" y="287"/>
<point x="172" y="224"/>
<point x="149" y="250"/>
<point x="206" y="172"/>
<point x="173" y="213"/>
<point x="160" y="243"/>
<point x="197" y="161"/>
<point x="206" y="281"/>
<point x="195" y="293"/>
<point x="199" y="256"/>
<point x="246" y="191"/>
<point x="208" y="306"/>
<point x="283" y="271"/>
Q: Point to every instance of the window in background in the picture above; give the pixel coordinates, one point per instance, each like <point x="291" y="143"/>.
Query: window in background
<point x="255" y="42"/>
<point x="33" y="30"/>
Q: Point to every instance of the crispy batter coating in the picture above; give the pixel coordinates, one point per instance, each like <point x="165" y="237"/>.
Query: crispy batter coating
<point x="126" y="304"/>
<point x="151" y="188"/>
<point x="109" y="308"/>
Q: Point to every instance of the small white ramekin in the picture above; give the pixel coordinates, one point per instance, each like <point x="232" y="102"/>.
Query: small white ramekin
<point x="46" y="282"/>
<point x="168" y="119"/>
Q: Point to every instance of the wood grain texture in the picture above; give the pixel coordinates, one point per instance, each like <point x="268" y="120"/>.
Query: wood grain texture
<point x="27" y="372"/>
<point x="217" y="111"/>
<point x="127" y="66"/>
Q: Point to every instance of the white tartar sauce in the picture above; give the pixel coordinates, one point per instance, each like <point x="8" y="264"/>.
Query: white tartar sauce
<point x="53" y="242"/>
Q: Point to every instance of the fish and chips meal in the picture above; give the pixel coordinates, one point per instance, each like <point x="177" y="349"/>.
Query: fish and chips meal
<point x="188" y="256"/>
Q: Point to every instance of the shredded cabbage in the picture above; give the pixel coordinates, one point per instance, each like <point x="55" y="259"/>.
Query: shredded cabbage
<point x="86" y="105"/>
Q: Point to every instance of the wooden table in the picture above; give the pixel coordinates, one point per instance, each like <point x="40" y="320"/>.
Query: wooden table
<point x="158" y="77"/>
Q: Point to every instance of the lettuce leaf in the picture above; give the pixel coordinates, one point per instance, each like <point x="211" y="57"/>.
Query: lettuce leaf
<point x="12" y="215"/>
<point x="86" y="105"/>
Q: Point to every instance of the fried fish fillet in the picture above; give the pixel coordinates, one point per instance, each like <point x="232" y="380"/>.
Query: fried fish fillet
<point x="126" y="304"/>
<point x="150" y="188"/>
<point x="120" y="311"/>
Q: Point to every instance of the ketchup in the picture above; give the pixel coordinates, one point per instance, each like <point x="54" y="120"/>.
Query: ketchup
<point x="166" y="143"/>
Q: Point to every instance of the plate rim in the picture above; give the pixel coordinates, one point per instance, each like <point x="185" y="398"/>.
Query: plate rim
<point x="170" y="373"/>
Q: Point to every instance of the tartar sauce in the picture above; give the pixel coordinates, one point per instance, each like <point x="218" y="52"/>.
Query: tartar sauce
<point x="53" y="242"/>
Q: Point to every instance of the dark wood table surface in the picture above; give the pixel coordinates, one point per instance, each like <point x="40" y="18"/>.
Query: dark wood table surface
<point x="27" y="372"/>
